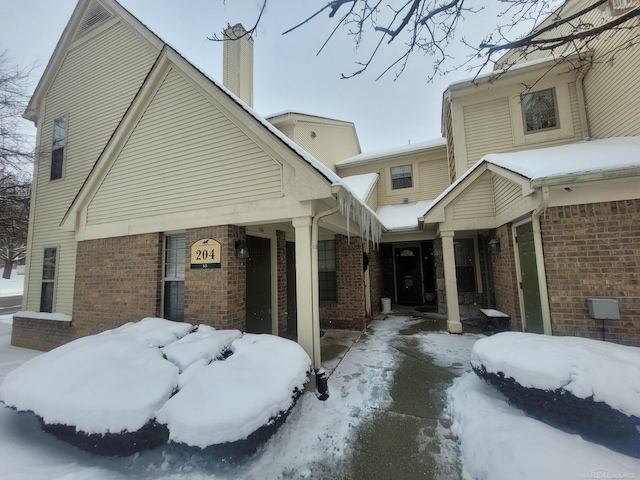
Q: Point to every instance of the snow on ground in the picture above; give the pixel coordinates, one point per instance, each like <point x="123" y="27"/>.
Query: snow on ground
<point x="497" y="441"/>
<point x="12" y="286"/>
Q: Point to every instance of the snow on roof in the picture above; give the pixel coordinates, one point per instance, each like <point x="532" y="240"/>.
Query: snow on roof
<point x="587" y="156"/>
<point x="404" y="149"/>
<point x="584" y="157"/>
<point x="361" y="185"/>
<point x="402" y="216"/>
<point x="306" y="114"/>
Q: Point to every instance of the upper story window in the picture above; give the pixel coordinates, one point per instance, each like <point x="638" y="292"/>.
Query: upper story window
<point x="540" y="111"/>
<point x="401" y="177"/>
<point x="58" y="146"/>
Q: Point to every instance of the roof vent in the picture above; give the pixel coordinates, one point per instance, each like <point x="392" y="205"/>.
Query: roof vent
<point x="96" y="13"/>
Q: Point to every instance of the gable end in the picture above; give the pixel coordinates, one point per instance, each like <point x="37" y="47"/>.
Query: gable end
<point x="96" y="14"/>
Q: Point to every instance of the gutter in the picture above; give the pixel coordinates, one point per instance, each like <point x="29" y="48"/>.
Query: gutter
<point x="542" y="277"/>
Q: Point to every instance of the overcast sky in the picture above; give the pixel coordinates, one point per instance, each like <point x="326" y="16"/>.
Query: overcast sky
<point x="288" y="74"/>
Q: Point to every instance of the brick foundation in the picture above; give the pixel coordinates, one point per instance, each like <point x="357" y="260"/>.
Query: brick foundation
<point x="43" y="335"/>
<point x="593" y="251"/>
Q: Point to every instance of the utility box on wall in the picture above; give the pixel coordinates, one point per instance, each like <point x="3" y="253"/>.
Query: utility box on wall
<point x="603" y="308"/>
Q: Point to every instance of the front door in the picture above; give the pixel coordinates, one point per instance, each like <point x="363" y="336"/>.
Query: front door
<point x="529" y="278"/>
<point x="258" y="290"/>
<point x="408" y="278"/>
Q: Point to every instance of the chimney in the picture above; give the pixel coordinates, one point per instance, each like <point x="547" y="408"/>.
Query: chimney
<point x="237" y="65"/>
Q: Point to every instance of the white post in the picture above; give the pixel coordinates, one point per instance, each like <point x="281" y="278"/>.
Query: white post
<point x="304" y="289"/>
<point x="450" y="283"/>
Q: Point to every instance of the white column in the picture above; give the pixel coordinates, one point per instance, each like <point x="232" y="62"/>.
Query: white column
<point x="450" y="283"/>
<point x="304" y="289"/>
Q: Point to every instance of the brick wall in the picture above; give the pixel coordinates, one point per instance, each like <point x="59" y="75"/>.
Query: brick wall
<point x="216" y="296"/>
<point x="43" y="335"/>
<point x="376" y="279"/>
<point x="348" y="312"/>
<point x="593" y="251"/>
<point x="281" y="252"/>
<point x="505" y="279"/>
<point x="118" y="280"/>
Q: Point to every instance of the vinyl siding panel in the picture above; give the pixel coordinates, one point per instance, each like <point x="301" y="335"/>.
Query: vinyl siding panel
<point x="487" y="129"/>
<point x="183" y="144"/>
<point x="506" y="193"/>
<point x="330" y="144"/>
<point x="477" y="202"/>
<point x="434" y="177"/>
<point x="94" y="87"/>
<point x="612" y="89"/>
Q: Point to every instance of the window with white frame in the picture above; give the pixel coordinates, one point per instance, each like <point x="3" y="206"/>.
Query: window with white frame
<point x="174" y="264"/>
<point x="47" y="291"/>
<point x="327" y="270"/>
<point x="58" y="147"/>
<point x="540" y="111"/>
<point x="401" y="177"/>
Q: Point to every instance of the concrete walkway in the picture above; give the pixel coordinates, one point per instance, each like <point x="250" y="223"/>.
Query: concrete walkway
<point x="410" y="437"/>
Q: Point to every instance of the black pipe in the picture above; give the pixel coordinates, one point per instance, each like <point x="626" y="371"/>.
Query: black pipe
<point x="322" y="384"/>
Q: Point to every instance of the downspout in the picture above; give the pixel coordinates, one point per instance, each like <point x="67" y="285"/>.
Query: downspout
<point x="542" y="277"/>
<point x="322" y="387"/>
<point x="582" y="102"/>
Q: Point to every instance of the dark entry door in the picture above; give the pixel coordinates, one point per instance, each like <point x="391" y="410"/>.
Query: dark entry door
<point x="529" y="278"/>
<point x="258" y="293"/>
<point x="408" y="278"/>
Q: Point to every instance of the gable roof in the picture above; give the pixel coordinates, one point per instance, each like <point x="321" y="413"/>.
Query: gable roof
<point x="587" y="160"/>
<point x="351" y="206"/>
<point x="394" y="152"/>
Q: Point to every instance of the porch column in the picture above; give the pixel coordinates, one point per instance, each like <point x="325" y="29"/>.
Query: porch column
<point x="307" y="337"/>
<point x="450" y="283"/>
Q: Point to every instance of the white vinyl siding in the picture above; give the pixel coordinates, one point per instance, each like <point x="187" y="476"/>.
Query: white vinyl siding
<point x="477" y="202"/>
<point x="434" y="178"/>
<point x="506" y="193"/>
<point x="94" y="86"/>
<point x="184" y="154"/>
<point x="487" y="129"/>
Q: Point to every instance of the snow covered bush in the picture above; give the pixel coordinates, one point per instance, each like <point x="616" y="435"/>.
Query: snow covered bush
<point x="137" y="386"/>
<point x="581" y="385"/>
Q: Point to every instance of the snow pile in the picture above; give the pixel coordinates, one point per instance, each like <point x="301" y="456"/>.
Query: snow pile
<point x="119" y="382"/>
<point x="499" y="442"/>
<point x="99" y="384"/>
<point x="219" y="403"/>
<point x="584" y="367"/>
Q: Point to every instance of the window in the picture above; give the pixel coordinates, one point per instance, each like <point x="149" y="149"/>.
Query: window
<point x="48" y="279"/>
<point x="464" y="252"/>
<point x="58" y="146"/>
<point x="401" y="177"/>
<point x="327" y="270"/>
<point x="539" y="110"/>
<point x="174" y="262"/>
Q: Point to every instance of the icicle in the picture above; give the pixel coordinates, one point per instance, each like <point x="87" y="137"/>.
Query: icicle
<point x="352" y="209"/>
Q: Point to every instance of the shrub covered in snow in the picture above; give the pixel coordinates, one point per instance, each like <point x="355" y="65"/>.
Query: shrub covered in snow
<point x="136" y="386"/>
<point x="587" y="386"/>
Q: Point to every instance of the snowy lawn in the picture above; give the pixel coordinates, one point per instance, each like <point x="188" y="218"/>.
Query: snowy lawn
<point x="13" y="286"/>
<point x="497" y="441"/>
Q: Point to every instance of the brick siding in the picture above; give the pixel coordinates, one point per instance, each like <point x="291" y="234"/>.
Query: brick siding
<point x="281" y="249"/>
<point x="43" y="335"/>
<point x="593" y="251"/>
<point x="505" y="278"/>
<point x="376" y="279"/>
<point x="348" y="312"/>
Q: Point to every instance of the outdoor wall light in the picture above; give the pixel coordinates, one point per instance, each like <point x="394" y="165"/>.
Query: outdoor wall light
<point x="242" y="251"/>
<point x="494" y="245"/>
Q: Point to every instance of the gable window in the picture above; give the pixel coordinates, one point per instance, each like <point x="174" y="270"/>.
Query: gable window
<point x="540" y="110"/>
<point x="401" y="177"/>
<point x="464" y="252"/>
<point x="58" y="146"/>
<point x="173" y="291"/>
<point x="48" y="279"/>
<point x="327" y="270"/>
